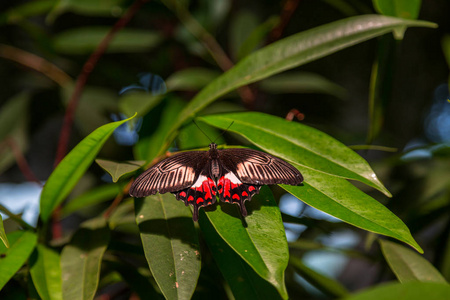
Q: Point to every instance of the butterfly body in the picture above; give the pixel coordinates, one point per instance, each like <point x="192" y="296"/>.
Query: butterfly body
<point x="198" y="177"/>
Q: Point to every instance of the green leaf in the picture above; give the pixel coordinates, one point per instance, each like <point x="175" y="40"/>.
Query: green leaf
<point x="66" y="175"/>
<point x="85" y="40"/>
<point x="23" y="11"/>
<point x="117" y="170"/>
<point x="22" y="244"/>
<point x="149" y="146"/>
<point x="262" y="243"/>
<point x="81" y="260"/>
<point x="408" y="265"/>
<point x="409" y="290"/>
<point x="301" y="82"/>
<point x="257" y="37"/>
<point x="241" y="26"/>
<point x="325" y="284"/>
<point x="299" y="144"/>
<point x="191" y="79"/>
<point x="170" y="244"/>
<point x="341" y="199"/>
<point x="12" y="111"/>
<point x="244" y="282"/>
<point x="408" y="9"/>
<point x="88" y="7"/>
<point x="46" y="273"/>
<point x="3" y="236"/>
<point x="93" y="196"/>
<point x="292" y="52"/>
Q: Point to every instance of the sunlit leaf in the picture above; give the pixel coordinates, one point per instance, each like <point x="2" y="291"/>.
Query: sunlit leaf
<point x="260" y="241"/>
<point x="170" y="244"/>
<point x="46" y="273"/>
<point x="22" y="244"/>
<point x="138" y="102"/>
<point x="299" y="144"/>
<point x="119" y="169"/>
<point x="244" y="282"/>
<point x="408" y="265"/>
<point x="341" y="199"/>
<point x="86" y="39"/>
<point x="409" y="290"/>
<point x="292" y="52"/>
<point x="72" y="167"/>
<point x="81" y="259"/>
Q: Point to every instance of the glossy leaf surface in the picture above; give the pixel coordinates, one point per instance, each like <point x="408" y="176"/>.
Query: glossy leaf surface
<point x="81" y="260"/>
<point x="170" y="244"/>
<point x="45" y="271"/>
<point x="260" y="240"/>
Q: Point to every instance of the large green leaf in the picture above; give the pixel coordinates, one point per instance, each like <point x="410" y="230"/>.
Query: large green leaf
<point x="405" y="291"/>
<point x="85" y="40"/>
<point x="294" y="51"/>
<point x="244" y="282"/>
<point x="22" y="244"/>
<point x="3" y="236"/>
<point x="260" y="241"/>
<point x="46" y="273"/>
<point x="66" y="175"/>
<point x="299" y="144"/>
<point x="170" y="244"/>
<point x="339" y="198"/>
<point x="408" y="265"/>
<point x="81" y="260"/>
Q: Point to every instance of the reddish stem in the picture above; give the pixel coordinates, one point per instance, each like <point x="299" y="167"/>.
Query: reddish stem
<point x="286" y="14"/>
<point x="21" y="161"/>
<point x="84" y="75"/>
<point x="74" y="99"/>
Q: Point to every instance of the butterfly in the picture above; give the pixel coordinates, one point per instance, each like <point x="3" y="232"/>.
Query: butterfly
<point x="235" y="175"/>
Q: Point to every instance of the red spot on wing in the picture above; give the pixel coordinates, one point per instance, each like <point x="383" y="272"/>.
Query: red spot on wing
<point x="199" y="200"/>
<point x="183" y="194"/>
<point x="206" y="189"/>
<point x="235" y="196"/>
<point x="251" y="188"/>
<point x="191" y="198"/>
<point x="244" y="194"/>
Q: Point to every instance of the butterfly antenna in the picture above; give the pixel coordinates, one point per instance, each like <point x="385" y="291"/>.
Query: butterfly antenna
<point x="202" y="130"/>
<point x="223" y="131"/>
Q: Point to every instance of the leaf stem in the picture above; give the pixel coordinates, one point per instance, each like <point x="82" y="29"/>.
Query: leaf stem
<point x="16" y="218"/>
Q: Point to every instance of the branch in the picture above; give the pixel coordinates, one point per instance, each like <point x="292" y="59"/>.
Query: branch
<point x="21" y="161"/>
<point x="35" y="62"/>
<point x="286" y="14"/>
<point x="84" y="75"/>
<point x="212" y="46"/>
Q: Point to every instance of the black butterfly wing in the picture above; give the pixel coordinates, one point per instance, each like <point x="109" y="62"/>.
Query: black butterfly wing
<point x="172" y="174"/>
<point x="259" y="168"/>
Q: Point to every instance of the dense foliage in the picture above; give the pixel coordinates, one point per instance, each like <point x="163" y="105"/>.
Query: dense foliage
<point x="354" y="94"/>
